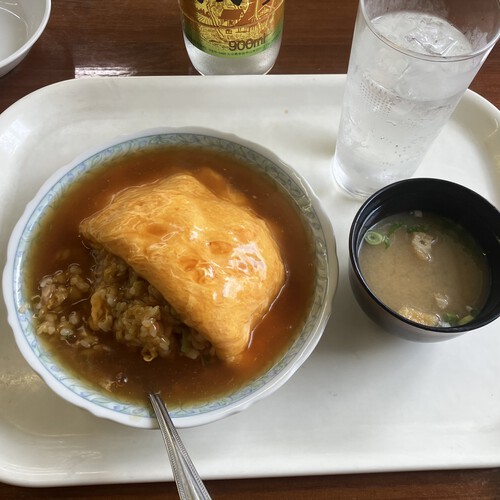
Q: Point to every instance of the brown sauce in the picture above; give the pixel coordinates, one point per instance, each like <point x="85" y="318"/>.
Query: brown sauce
<point x="121" y="370"/>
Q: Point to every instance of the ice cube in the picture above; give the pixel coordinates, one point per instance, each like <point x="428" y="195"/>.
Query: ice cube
<point x="431" y="37"/>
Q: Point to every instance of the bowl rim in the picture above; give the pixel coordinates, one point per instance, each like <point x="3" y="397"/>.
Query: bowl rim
<point x="356" y="226"/>
<point x="26" y="46"/>
<point x="139" y="420"/>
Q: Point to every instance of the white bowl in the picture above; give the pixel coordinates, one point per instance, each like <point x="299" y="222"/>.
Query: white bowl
<point x="21" y="24"/>
<point x="81" y="394"/>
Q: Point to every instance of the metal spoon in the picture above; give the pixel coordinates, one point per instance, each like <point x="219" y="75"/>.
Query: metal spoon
<point x="189" y="484"/>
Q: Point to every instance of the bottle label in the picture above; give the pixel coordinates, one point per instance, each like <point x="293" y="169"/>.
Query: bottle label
<point x="232" y="28"/>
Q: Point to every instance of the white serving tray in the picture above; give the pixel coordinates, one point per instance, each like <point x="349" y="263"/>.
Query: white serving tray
<point x="364" y="401"/>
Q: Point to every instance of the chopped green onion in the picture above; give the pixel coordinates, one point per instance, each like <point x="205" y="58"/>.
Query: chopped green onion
<point x="374" y="237"/>
<point x="465" y="319"/>
<point x="450" y="318"/>
<point x="393" y="228"/>
<point x="418" y="228"/>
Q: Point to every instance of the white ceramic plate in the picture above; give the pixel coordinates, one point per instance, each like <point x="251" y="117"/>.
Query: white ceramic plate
<point x="364" y="401"/>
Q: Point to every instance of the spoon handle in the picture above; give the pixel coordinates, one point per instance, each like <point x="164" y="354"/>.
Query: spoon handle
<point x="189" y="484"/>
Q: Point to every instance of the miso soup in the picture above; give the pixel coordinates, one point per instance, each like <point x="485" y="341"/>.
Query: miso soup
<point x="426" y="268"/>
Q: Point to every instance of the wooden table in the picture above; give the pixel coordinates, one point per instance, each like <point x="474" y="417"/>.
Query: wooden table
<point x="96" y="38"/>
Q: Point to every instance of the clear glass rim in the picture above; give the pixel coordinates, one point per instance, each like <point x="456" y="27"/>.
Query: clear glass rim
<point x="428" y="57"/>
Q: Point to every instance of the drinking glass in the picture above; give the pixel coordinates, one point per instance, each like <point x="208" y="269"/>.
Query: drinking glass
<point x="411" y="61"/>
